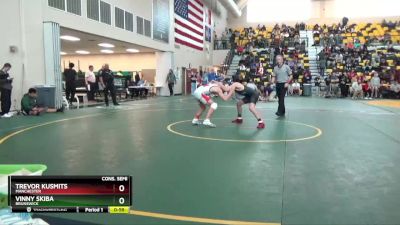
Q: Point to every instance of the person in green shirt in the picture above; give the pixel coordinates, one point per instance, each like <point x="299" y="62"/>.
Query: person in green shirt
<point x="30" y="107"/>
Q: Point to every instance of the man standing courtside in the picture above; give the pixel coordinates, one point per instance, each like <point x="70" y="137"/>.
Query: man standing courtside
<point x="282" y="76"/>
<point x="107" y="82"/>
<point x="5" y="90"/>
<point x="171" y="80"/>
<point x="70" y="75"/>
<point x="90" y="80"/>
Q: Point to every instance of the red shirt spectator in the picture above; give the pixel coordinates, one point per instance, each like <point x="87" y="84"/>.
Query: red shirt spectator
<point x="397" y="76"/>
<point x="352" y="74"/>
<point x="365" y="87"/>
<point x="240" y="49"/>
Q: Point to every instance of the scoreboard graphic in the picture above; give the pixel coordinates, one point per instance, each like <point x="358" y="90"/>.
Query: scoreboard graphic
<point x="70" y="194"/>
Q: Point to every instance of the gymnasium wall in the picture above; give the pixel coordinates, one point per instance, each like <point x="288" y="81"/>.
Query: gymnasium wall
<point x="22" y="27"/>
<point x="142" y="8"/>
<point x="327" y="12"/>
<point x="117" y="62"/>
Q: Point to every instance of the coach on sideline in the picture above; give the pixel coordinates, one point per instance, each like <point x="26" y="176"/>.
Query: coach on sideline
<point x="282" y="76"/>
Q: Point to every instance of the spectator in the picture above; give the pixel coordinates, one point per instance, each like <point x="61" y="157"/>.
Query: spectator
<point x="366" y="86"/>
<point x="395" y="89"/>
<point x="171" y="80"/>
<point x="199" y="77"/>
<point x="212" y="75"/>
<point x="240" y="50"/>
<point x="137" y="78"/>
<point x="5" y="89"/>
<point x="334" y="84"/>
<point x="90" y="80"/>
<point x="328" y="87"/>
<point x="307" y="77"/>
<point x="242" y="67"/>
<point x="322" y="63"/>
<point x="70" y="78"/>
<point x="143" y="91"/>
<point x="295" y="88"/>
<point x="356" y="88"/>
<point x="193" y="81"/>
<point x="317" y="81"/>
<point x="107" y="82"/>
<point x="375" y="85"/>
<point x="30" y="107"/>
<point x="343" y="81"/>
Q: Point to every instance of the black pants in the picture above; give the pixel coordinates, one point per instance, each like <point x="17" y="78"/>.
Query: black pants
<point x="344" y="89"/>
<point x="92" y="91"/>
<point x="322" y="71"/>
<point x="143" y="92"/>
<point x="70" y="90"/>
<point x="110" y="88"/>
<point x="281" y="92"/>
<point x="368" y="93"/>
<point x="171" y="89"/>
<point x="5" y="101"/>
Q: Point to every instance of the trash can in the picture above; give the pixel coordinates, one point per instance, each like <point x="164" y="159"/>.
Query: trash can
<point x="307" y="90"/>
<point x="46" y="96"/>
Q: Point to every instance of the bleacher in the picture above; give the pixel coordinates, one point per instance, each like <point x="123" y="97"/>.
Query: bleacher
<point x="260" y="44"/>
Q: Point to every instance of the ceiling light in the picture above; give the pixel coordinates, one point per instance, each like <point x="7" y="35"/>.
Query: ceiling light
<point x="82" y="52"/>
<point x="107" y="51"/>
<point x="132" y="50"/>
<point x="106" y="45"/>
<point x="70" y="38"/>
<point x="63" y="53"/>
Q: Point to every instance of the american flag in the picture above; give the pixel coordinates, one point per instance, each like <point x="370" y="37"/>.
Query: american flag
<point x="189" y="23"/>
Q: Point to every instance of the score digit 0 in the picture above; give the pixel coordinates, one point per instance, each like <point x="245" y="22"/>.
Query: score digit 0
<point x="121" y="188"/>
<point x="121" y="200"/>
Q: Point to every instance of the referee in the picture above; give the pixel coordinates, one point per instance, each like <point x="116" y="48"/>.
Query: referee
<point x="282" y="76"/>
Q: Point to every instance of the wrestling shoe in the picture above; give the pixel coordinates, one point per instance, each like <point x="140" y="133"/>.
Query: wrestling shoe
<point x="261" y="125"/>
<point x="238" y="121"/>
<point x="208" y="123"/>
<point x="196" y="122"/>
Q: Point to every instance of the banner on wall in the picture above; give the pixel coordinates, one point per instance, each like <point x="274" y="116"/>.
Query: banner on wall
<point x="208" y="34"/>
<point x="207" y="18"/>
<point x="207" y="24"/>
<point x="161" y="20"/>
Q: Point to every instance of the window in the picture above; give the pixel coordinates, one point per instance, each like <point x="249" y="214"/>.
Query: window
<point x="147" y="28"/>
<point x="139" y="21"/>
<point x="128" y="21"/>
<point x="71" y="6"/>
<point x="58" y="4"/>
<point x="74" y="6"/>
<point x="93" y="7"/>
<point x="119" y="18"/>
<point x="105" y="13"/>
<point x="143" y="26"/>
